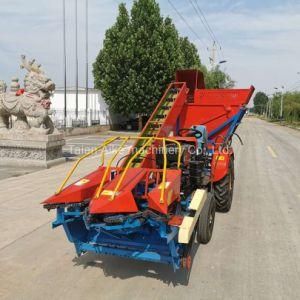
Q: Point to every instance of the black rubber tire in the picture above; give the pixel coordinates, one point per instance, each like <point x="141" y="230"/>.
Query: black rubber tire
<point x="206" y="220"/>
<point x="223" y="189"/>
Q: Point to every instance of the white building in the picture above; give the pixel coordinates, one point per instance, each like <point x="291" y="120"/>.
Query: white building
<point x="97" y="110"/>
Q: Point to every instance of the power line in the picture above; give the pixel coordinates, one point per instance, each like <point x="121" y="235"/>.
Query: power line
<point x="187" y="24"/>
<point x="212" y="34"/>
<point x="201" y="19"/>
<point x="207" y="24"/>
<point x="208" y="30"/>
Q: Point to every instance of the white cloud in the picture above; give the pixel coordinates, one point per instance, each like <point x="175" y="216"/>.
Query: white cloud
<point x="261" y="45"/>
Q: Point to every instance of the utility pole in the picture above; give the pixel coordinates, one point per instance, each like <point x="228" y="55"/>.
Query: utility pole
<point x="86" y="60"/>
<point x="269" y="106"/>
<point x="281" y="102"/>
<point x="76" y="59"/>
<point x="281" y="106"/>
<point x="65" y="63"/>
<point x="212" y="57"/>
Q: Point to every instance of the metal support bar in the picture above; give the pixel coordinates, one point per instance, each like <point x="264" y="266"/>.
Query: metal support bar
<point x="125" y="139"/>
<point x="80" y="159"/>
<point x="162" y="193"/>
<point x="99" y="190"/>
<point x="128" y="164"/>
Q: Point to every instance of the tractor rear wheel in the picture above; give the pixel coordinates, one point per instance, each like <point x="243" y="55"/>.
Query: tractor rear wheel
<point x="223" y="189"/>
<point x="206" y="220"/>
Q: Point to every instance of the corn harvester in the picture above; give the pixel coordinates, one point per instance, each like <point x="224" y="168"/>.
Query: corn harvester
<point x="154" y="202"/>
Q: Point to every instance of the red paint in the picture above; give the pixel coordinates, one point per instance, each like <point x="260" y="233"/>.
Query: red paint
<point x="171" y="193"/>
<point x="170" y="121"/>
<point x="212" y="108"/>
<point x="20" y="92"/>
<point x="194" y="105"/>
<point x="176" y="220"/>
<point x="76" y="193"/>
<point x="124" y="200"/>
<point x="220" y="165"/>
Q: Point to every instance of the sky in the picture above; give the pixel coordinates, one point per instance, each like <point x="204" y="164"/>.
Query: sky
<point x="260" y="40"/>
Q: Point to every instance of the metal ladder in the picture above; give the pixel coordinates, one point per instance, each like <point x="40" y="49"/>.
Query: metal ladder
<point x="156" y="121"/>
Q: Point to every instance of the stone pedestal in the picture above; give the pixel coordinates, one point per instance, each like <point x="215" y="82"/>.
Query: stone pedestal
<point x="27" y="150"/>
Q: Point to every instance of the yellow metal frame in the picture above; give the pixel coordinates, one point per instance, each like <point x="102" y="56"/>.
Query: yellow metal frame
<point x="164" y="173"/>
<point x="102" y="157"/>
<point x="99" y="190"/>
<point x="82" y="158"/>
<point x="128" y="165"/>
<point x="125" y="139"/>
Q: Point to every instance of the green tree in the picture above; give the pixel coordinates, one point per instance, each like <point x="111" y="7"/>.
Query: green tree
<point x="172" y="48"/>
<point x="260" y="102"/>
<point x="112" y="65"/>
<point x="216" y="78"/>
<point x="191" y="59"/>
<point x="139" y="57"/>
<point x="291" y="107"/>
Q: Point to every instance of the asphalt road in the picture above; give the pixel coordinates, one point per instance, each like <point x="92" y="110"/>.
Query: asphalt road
<point x="254" y="252"/>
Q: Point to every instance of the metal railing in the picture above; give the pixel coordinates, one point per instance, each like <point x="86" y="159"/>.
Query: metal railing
<point x="84" y="119"/>
<point x="82" y="158"/>
<point x="148" y="143"/>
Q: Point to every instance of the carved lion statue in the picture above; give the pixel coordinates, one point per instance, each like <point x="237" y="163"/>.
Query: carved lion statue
<point x="32" y="101"/>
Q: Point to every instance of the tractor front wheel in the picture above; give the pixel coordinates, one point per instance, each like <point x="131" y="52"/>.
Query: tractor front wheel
<point x="223" y="189"/>
<point x="206" y="220"/>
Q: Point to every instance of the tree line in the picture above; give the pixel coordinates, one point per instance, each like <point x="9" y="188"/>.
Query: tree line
<point x="270" y="107"/>
<point x="139" y="57"/>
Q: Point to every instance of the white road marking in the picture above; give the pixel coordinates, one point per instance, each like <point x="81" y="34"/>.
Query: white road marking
<point x="272" y="152"/>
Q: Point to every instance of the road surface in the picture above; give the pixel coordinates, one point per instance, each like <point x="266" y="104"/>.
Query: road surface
<point x="75" y="146"/>
<point x="254" y="252"/>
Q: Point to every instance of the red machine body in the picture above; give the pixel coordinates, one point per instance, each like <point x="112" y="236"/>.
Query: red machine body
<point x="190" y="104"/>
<point x="155" y="204"/>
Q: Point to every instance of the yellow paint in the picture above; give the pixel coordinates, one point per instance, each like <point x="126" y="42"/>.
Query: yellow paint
<point x="272" y="152"/>
<point x="162" y="193"/>
<point x="82" y="182"/>
<point x="170" y="193"/>
<point x="149" y="141"/>
<point x="107" y="193"/>
<point x="82" y="158"/>
<point x="102" y="147"/>
<point x="167" y="183"/>
<point x="99" y="190"/>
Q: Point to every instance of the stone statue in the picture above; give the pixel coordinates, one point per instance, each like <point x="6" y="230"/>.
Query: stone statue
<point x="33" y="101"/>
